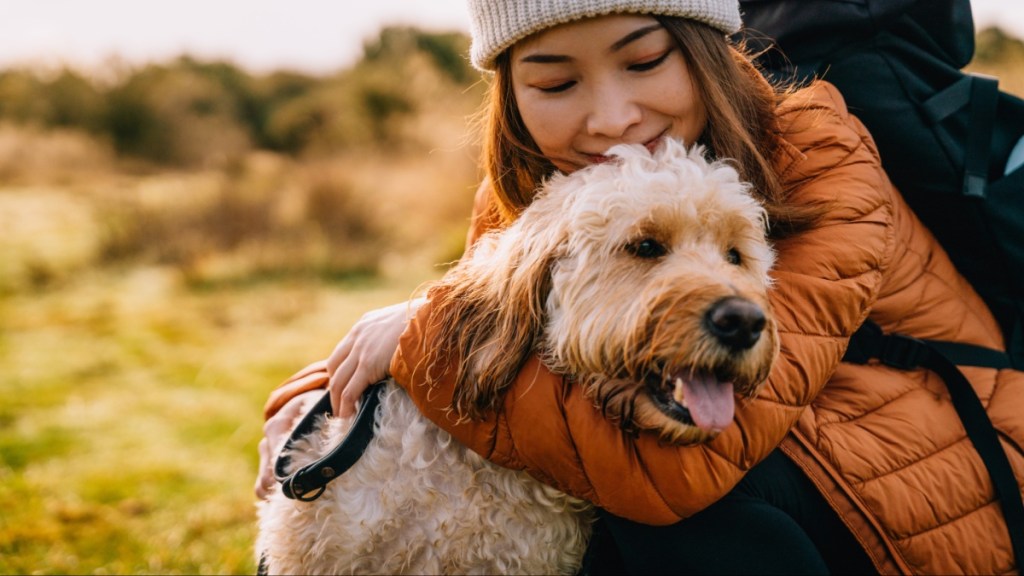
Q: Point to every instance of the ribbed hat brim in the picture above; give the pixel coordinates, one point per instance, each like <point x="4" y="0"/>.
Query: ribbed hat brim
<point x="498" y="24"/>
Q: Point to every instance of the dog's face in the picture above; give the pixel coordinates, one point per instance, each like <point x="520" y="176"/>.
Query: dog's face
<point x="644" y="277"/>
<point x="658" y="290"/>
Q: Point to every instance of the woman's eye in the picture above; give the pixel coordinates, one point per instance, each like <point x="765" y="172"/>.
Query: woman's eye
<point x="650" y="64"/>
<point x="646" y="248"/>
<point x="559" y="88"/>
<point x="733" y="256"/>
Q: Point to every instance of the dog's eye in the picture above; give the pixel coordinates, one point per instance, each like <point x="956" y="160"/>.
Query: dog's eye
<point x="646" y="248"/>
<point x="733" y="256"/>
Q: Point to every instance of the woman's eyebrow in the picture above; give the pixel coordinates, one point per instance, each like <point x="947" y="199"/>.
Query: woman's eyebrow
<point x="633" y="36"/>
<point x="615" y="47"/>
<point x="545" y="58"/>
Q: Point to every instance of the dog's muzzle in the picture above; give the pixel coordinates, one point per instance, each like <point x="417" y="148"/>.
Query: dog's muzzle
<point x="704" y="395"/>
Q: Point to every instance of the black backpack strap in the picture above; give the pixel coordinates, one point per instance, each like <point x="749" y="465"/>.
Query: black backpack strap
<point x="948" y="101"/>
<point x="984" y="100"/>
<point x="308" y="483"/>
<point x="981" y="94"/>
<point x="905" y="352"/>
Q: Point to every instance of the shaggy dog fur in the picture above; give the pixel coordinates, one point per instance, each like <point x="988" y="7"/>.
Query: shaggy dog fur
<point x="644" y="277"/>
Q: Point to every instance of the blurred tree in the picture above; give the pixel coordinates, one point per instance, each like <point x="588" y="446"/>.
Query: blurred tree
<point x="22" y="97"/>
<point x="73" y="101"/>
<point x="449" y="53"/>
<point x="275" y="92"/>
<point x="994" y="45"/>
<point x="404" y="73"/>
<point x="295" y="124"/>
<point x="191" y="113"/>
<point x="185" y="114"/>
<point x="382" y="104"/>
<point x="67" y="99"/>
<point x="133" y="123"/>
<point x="447" y="50"/>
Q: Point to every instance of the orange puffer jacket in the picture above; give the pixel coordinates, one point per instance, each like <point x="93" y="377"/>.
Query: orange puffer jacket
<point x="884" y="446"/>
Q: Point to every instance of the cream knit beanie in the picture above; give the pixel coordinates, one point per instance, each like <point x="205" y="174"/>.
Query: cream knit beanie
<point x="497" y="24"/>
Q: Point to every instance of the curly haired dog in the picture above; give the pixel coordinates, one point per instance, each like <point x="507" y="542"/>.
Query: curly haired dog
<point x="644" y="277"/>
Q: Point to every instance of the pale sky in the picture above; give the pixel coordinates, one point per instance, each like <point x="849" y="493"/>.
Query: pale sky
<point x="311" y="35"/>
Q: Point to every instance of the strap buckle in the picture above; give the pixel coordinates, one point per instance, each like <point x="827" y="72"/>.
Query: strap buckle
<point x="893" y="350"/>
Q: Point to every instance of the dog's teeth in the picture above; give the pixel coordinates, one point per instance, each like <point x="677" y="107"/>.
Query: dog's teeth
<point x="677" y="393"/>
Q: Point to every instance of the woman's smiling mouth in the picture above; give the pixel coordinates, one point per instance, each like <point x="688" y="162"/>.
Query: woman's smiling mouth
<point x="651" y="145"/>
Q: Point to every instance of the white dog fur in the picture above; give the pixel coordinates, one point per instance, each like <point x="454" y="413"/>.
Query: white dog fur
<point x="609" y="274"/>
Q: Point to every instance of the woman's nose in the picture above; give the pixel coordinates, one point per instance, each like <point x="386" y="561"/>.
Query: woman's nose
<point x="612" y="114"/>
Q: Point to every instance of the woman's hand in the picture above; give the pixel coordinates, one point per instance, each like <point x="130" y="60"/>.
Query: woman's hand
<point x="364" y="354"/>
<point x="275" y="433"/>
<point x="360" y="359"/>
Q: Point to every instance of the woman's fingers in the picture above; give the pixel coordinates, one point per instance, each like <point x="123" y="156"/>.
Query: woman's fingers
<point x="361" y="358"/>
<point x="364" y="354"/>
<point x="341" y="380"/>
<point x="340" y="352"/>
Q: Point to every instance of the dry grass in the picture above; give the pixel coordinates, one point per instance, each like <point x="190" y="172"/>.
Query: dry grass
<point x="129" y="415"/>
<point x="29" y="155"/>
<point x="265" y="216"/>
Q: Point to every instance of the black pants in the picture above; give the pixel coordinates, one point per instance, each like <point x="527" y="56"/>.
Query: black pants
<point x="774" y="522"/>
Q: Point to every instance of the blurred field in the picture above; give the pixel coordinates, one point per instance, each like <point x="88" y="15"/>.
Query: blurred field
<point x="177" y="240"/>
<point x="175" y="244"/>
<point x="130" y="415"/>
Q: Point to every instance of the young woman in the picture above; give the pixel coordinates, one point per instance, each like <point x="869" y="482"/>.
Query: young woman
<point x="837" y="467"/>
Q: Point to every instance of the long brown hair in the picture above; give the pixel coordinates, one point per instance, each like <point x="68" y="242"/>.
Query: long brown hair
<point x="741" y="126"/>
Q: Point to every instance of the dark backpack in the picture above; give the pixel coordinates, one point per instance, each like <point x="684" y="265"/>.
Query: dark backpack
<point x="945" y="138"/>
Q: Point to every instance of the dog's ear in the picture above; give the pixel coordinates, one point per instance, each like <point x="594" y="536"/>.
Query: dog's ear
<point x="488" y="311"/>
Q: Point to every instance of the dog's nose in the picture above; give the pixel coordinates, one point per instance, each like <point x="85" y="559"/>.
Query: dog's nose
<point x="735" y="322"/>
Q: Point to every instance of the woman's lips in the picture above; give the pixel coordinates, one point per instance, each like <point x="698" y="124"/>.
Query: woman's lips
<point x="651" y="145"/>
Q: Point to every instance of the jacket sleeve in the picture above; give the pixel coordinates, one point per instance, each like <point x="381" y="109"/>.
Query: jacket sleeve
<point x="312" y="377"/>
<point x="826" y="279"/>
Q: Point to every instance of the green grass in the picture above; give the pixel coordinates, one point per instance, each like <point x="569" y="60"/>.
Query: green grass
<point x="130" y="410"/>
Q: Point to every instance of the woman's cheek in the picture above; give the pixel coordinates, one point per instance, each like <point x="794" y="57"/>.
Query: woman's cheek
<point x="551" y="130"/>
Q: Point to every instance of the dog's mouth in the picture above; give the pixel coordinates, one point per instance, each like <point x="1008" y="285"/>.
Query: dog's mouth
<point x="697" y="398"/>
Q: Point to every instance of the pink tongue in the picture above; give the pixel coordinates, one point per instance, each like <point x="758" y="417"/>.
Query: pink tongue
<point x="709" y="401"/>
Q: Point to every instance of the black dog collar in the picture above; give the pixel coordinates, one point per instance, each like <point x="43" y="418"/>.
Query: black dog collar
<point x="310" y="481"/>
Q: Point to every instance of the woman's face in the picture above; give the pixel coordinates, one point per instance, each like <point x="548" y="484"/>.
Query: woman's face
<point x="585" y="86"/>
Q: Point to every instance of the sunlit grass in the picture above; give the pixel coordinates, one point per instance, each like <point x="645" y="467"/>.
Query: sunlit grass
<point x="130" y="412"/>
